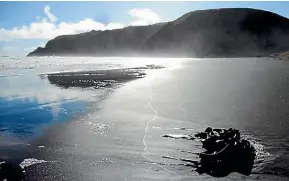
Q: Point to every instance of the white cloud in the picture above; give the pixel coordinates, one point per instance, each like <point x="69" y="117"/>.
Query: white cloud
<point x="82" y="26"/>
<point x="47" y="28"/>
<point x="112" y="26"/>
<point x="51" y="16"/>
<point x="143" y="17"/>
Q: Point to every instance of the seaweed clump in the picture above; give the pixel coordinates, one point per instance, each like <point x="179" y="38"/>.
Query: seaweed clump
<point x="225" y="153"/>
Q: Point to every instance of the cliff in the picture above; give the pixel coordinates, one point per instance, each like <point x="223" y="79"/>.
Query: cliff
<point x="228" y="32"/>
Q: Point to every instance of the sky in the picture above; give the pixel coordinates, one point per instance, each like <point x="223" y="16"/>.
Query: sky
<point x="24" y="26"/>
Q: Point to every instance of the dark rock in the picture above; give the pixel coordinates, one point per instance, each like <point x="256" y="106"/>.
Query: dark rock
<point x="11" y="172"/>
<point x="201" y="135"/>
<point x="225" y="152"/>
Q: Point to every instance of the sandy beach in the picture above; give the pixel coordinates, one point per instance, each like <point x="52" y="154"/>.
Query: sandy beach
<point x="120" y="137"/>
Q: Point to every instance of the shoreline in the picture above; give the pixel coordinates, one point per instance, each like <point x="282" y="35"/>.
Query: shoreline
<point x="32" y="152"/>
<point x="146" y="56"/>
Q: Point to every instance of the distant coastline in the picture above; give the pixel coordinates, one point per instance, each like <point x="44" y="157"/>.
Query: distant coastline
<point x="227" y="32"/>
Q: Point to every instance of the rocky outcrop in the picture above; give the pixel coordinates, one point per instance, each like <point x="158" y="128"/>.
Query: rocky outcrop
<point x="226" y="152"/>
<point x="281" y="55"/>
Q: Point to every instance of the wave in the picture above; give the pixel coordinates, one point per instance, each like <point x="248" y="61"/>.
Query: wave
<point x="31" y="161"/>
<point x="179" y="136"/>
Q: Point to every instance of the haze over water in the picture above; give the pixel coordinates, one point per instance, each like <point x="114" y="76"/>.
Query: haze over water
<point x="250" y="94"/>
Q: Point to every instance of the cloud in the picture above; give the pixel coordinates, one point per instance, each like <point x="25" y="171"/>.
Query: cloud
<point x="47" y="28"/>
<point x="51" y="17"/>
<point x="143" y="17"/>
<point x="112" y="26"/>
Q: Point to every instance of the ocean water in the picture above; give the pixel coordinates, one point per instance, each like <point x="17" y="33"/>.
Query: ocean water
<point x="29" y="102"/>
<point x="250" y="94"/>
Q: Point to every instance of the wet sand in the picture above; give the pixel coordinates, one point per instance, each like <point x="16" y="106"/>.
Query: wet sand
<point x="123" y="140"/>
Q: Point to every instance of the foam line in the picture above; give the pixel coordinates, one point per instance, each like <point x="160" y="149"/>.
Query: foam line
<point x="145" y="151"/>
